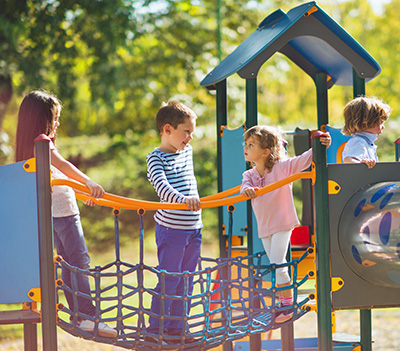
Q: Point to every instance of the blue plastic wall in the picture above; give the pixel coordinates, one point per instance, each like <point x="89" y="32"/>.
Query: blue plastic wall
<point x="19" y="250"/>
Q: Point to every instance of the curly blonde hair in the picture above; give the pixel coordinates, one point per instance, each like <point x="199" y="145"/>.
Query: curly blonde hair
<point x="363" y="113"/>
<point x="269" y="138"/>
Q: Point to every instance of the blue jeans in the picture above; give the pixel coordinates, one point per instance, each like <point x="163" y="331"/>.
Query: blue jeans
<point x="177" y="251"/>
<point x="70" y="243"/>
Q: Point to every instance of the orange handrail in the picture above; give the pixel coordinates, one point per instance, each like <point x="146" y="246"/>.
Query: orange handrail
<point x="216" y="200"/>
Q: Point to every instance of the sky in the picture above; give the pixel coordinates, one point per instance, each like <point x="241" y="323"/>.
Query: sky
<point x="377" y="5"/>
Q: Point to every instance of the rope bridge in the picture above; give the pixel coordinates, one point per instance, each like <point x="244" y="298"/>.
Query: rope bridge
<point x="231" y="298"/>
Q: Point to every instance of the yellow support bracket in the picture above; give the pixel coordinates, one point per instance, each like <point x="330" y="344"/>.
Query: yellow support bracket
<point x="333" y="187"/>
<point x="337" y="283"/>
<point x="310" y="11"/>
<point x="30" y="165"/>
<point x="34" y="294"/>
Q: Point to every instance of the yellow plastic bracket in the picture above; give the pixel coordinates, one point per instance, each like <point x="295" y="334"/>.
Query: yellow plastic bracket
<point x="30" y="165"/>
<point x="34" y="294"/>
<point x="221" y="131"/>
<point x="337" y="283"/>
<point x="357" y="348"/>
<point x="368" y="263"/>
<point x="339" y="152"/>
<point x="333" y="187"/>
<point x="310" y="11"/>
<point x="313" y="173"/>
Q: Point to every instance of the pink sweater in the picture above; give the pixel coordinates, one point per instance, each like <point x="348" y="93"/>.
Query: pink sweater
<point x="275" y="211"/>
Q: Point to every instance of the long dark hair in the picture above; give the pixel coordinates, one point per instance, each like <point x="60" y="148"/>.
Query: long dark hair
<point x="36" y="115"/>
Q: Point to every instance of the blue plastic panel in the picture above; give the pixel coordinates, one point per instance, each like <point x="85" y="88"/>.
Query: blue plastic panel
<point x="334" y="151"/>
<point x="19" y="248"/>
<point x="233" y="166"/>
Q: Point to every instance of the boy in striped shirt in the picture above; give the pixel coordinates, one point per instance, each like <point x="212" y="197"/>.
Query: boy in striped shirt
<point x="178" y="232"/>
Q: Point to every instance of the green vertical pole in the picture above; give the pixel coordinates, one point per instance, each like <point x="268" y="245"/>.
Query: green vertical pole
<point x="397" y="149"/>
<point x="322" y="223"/>
<point x="252" y="120"/>
<point x="365" y="314"/>
<point x="222" y="120"/>
<point x="46" y="246"/>
<point x="358" y="84"/>
<point x="30" y="337"/>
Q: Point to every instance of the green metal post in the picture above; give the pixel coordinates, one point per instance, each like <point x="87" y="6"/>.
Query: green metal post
<point x="252" y="120"/>
<point x="46" y="246"/>
<point x="365" y="314"/>
<point x="30" y="337"/>
<point x="397" y="149"/>
<point x="251" y="103"/>
<point x="222" y="120"/>
<point x="322" y="223"/>
<point x="366" y="330"/>
<point x="358" y="85"/>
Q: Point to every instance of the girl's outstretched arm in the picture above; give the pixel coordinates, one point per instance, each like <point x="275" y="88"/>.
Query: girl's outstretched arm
<point x="74" y="173"/>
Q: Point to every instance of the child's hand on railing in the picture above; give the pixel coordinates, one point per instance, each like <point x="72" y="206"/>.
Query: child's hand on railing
<point x="250" y="192"/>
<point x="96" y="190"/>
<point x="193" y="203"/>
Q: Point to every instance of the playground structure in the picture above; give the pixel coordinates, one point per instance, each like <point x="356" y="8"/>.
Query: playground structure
<point x="245" y="305"/>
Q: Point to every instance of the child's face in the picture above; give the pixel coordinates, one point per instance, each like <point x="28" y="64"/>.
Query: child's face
<point x="55" y="125"/>
<point x="378" y="129"/>
<point x="253" y="151"/>
<point x="175" y="140"/>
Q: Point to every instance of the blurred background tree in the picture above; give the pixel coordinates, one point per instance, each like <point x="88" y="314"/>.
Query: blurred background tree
<point x="112" y="63"/>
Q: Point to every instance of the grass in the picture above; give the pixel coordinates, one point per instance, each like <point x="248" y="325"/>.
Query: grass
<point x="129" y="253"/>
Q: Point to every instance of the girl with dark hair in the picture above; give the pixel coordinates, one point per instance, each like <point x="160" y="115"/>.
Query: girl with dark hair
<point x="39" y="113"/>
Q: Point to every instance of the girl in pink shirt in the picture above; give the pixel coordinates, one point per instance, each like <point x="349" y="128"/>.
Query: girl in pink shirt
<point x="275" y="212"/>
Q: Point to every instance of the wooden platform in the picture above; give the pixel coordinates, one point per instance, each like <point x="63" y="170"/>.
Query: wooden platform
<point x="19" y="317"/>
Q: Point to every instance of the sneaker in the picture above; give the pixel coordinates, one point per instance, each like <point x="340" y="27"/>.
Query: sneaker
<point x="155" y="340"/>
<point x="103" y="329"/>
<point x="283" y="316"/>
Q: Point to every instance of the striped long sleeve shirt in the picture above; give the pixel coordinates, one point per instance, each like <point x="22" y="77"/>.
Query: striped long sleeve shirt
<point x="173" y="179"/>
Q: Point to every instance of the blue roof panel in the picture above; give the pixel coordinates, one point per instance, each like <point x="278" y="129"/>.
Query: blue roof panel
<point x="306" y="35"/>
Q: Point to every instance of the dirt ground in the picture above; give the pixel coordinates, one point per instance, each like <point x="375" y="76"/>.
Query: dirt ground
<point x="385" y="323"/>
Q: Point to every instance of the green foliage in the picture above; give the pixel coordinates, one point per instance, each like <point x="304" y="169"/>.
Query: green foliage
<point x="113" y="63"/>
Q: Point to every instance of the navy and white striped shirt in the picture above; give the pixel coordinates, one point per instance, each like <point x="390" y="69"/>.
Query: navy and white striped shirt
<point x="173" y="179"/>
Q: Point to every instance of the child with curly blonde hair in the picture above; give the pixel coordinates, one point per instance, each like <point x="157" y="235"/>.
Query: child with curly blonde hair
<point x="364" y="118"/>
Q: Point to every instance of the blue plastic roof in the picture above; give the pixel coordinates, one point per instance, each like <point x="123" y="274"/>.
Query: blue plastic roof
<point x="306" y="35"/>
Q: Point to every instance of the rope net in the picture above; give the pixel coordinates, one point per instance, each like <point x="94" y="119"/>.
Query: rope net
<point x="232" y="297"/>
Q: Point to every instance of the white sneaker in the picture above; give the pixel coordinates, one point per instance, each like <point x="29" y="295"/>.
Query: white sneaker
<point x="103" y="329"/>
<point x="283" y="316"/>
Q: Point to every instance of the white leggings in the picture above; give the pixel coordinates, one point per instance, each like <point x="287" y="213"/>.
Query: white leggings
<point x="276" y="246"/>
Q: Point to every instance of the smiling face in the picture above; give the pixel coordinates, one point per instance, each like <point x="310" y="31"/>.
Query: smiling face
<point x="175" y="139"/>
